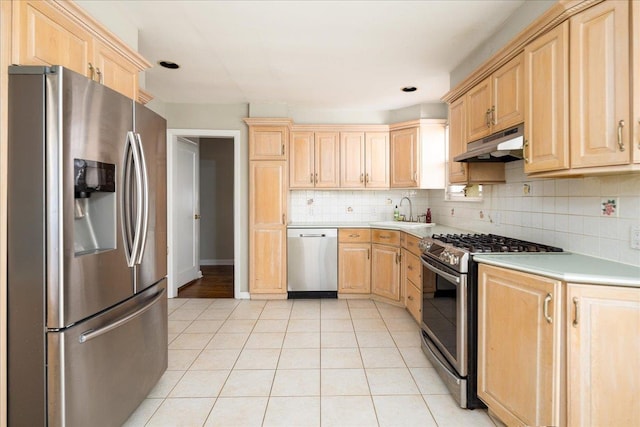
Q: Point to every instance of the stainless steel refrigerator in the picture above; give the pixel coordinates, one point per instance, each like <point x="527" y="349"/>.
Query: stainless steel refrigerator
<point x="87" y="305"/>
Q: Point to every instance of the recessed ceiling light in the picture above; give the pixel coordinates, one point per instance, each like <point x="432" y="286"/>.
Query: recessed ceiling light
<point x="409" y="89"/>
<point x="169" y="64"/>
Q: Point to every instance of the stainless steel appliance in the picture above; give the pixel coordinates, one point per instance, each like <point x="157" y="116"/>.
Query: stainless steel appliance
<point x="87" y="308"/>
<point x="312" y="262"/>
<point x="504" y="146"/>
<point x="450" y="305"/>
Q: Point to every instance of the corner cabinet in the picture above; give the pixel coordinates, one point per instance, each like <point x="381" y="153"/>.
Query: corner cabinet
<point x="60" y="33"/>
<point x="603" y="364"/>
<point x="520" y="332"/>
<point x="404" y="157"/>
<point x="268" y="193"/>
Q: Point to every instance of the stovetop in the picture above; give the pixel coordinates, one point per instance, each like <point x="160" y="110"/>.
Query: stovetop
<point x="455" y="249"/>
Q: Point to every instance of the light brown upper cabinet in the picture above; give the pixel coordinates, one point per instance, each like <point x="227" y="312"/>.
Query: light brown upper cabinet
<point x="404" y="157"/>
<point x="364" y="159"/>
<point x="314" y="160"/>
<point x="546" y="96"/>
<point x="44" y="34"/>
<point x="497" y="102"/>
<point x="635" y="94"/>
<point x="457" y="140"/>
<point x="600" y="82"/>
<point x="268" y="142"/>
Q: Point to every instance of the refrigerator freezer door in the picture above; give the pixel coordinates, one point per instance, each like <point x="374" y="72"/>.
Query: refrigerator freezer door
<point x="101" y="369"/>
<point x="151" y="133"/>
<point x="94" y="123"/>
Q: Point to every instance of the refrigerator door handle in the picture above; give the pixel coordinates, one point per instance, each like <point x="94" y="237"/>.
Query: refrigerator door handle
<point x="137" y="163"/>
<point x="94" y="333"/>
<point x="128" y="230"/>
<point x="145" y="202"/>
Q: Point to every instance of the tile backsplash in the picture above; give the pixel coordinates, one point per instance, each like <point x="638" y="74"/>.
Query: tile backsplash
<point x="353" y="206"/>
<point x="592" y="216"/>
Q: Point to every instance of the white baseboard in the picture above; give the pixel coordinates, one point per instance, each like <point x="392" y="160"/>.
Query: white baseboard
<point x="243" y="295"/>
<point x="216" y="262"/>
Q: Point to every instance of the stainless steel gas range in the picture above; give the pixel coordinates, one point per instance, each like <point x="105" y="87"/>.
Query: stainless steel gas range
<point x="450" y="305"/>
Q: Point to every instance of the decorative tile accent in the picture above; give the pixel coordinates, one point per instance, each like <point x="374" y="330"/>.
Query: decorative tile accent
<point x="609" y="207"/>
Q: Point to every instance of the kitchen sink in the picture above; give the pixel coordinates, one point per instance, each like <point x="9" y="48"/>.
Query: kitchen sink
<point x="406" y="225"/>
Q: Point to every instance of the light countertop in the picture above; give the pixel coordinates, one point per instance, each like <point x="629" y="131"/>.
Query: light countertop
<point x="418" y="232"/>
<point x="568" y="267"/>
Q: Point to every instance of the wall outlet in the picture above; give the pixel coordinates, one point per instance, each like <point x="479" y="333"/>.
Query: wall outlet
<point x="526" y="189"/>
<point x="635" y="237"/>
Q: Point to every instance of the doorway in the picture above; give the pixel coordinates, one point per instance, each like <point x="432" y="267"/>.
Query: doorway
<point x="213" y="221"/>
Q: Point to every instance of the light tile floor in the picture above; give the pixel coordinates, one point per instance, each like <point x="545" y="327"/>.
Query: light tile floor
<point x="297" y="363"/>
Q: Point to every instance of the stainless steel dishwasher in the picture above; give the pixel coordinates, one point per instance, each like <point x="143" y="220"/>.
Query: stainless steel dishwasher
<point x="312" y="259"/>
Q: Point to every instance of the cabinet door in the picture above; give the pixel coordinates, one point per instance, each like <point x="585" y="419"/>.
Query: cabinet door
<point x="114" y="71"/>
<point x="267" y="226"/>
<point x="546" y="99"/>
<point x="327" y="159"/>
<point x="352" y="160"/>
<point x="479" y="110"/>
<point x="44" y="36"/>
<point x="603" y="355"/>
<point x="457" y="140"/>
<point x="519" y="350"/>
<point x="508" y="95"/>
<point x="404" y="158"/>
<point x="635" y="71"/>
<point x="268" y="142"/>
<point x="354" y="268"/>
<point x="385" y="271"/>
<point x="301" y="160"/>
<point x="377" y="160"/>
<point x="599" y="55"/>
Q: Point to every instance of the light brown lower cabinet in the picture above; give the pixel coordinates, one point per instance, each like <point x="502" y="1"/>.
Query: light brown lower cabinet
<point x="520" y="332"/>
<point x="603" y="361"/>
<point x="385" y="271"/>
<point x="354" y="268"/>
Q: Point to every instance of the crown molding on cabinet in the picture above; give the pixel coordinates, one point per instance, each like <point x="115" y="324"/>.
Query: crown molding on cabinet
<point x="558" y="13"/>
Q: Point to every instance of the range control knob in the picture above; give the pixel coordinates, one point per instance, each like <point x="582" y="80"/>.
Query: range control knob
<point x="455" y="259"/>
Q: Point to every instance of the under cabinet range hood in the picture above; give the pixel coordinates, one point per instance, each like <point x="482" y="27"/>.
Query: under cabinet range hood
<point x="504" y="146"/>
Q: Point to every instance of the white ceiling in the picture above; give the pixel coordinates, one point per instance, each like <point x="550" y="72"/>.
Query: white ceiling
<point x="309" y="54"/>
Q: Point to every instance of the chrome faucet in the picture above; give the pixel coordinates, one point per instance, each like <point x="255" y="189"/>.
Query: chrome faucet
<point x="410" y="208"/>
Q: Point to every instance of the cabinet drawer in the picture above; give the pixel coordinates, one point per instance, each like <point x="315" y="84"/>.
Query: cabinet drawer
<point x="385" y="237"/>
<point x="413" y="301"/>
<point x="413" y="269"/>
<point x="354" y="235"/>
<point x="411" y="244"/>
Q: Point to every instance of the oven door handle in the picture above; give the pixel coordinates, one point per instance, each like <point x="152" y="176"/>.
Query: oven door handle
<point x="447" y="276"/>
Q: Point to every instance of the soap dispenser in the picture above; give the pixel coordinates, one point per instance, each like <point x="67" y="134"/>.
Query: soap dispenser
<point x="396" y="214"/>
<point x="428" y="216"/>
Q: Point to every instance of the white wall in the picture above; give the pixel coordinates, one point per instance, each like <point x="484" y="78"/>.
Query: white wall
<point x="216" y="201"/>
<point x="559" y="212"/>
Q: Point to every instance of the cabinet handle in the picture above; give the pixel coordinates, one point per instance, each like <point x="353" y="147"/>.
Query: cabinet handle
<point x="311" y="178"/>
<point x="366" y="178"/>
<point x="100" y="77"/>
<point x="487" y="119"/>
<point x="282" y="150"/>
<point x="283" y="219"/>
<point x="354" y="235"/>
<point x="382" y="236"/>
<point x="575" y="319"/>
<point x="525" y="148"/>
<point x="91" y="70"/>
<point x="547" y="300"/>
<point x="316" y="177"/>
<point x="397" y="259"/>
<point x="410" y="297"/>
<point x="493" y="115"/>
<point x="361" y="177"/>
<point x="415" y="176"/>
<point x="368" y="253"/>
<point x="620" y="142"/>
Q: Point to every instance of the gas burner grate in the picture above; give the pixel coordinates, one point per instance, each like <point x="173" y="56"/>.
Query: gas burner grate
<point x="481" y="243"/>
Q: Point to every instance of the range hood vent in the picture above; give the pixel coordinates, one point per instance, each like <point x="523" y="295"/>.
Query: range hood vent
<point x="504" y="146"/>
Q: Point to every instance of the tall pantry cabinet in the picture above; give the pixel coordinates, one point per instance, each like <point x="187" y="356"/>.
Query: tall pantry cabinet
<point x="268" y="187"/>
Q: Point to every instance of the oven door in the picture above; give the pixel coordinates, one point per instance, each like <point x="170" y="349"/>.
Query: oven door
<point x="444" y="311"/>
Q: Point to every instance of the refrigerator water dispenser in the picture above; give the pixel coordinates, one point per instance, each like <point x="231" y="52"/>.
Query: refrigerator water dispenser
<point x="94" y="225"/>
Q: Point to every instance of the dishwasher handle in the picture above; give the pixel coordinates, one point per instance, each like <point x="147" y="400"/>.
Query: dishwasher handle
<point x="313" y="235"/>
